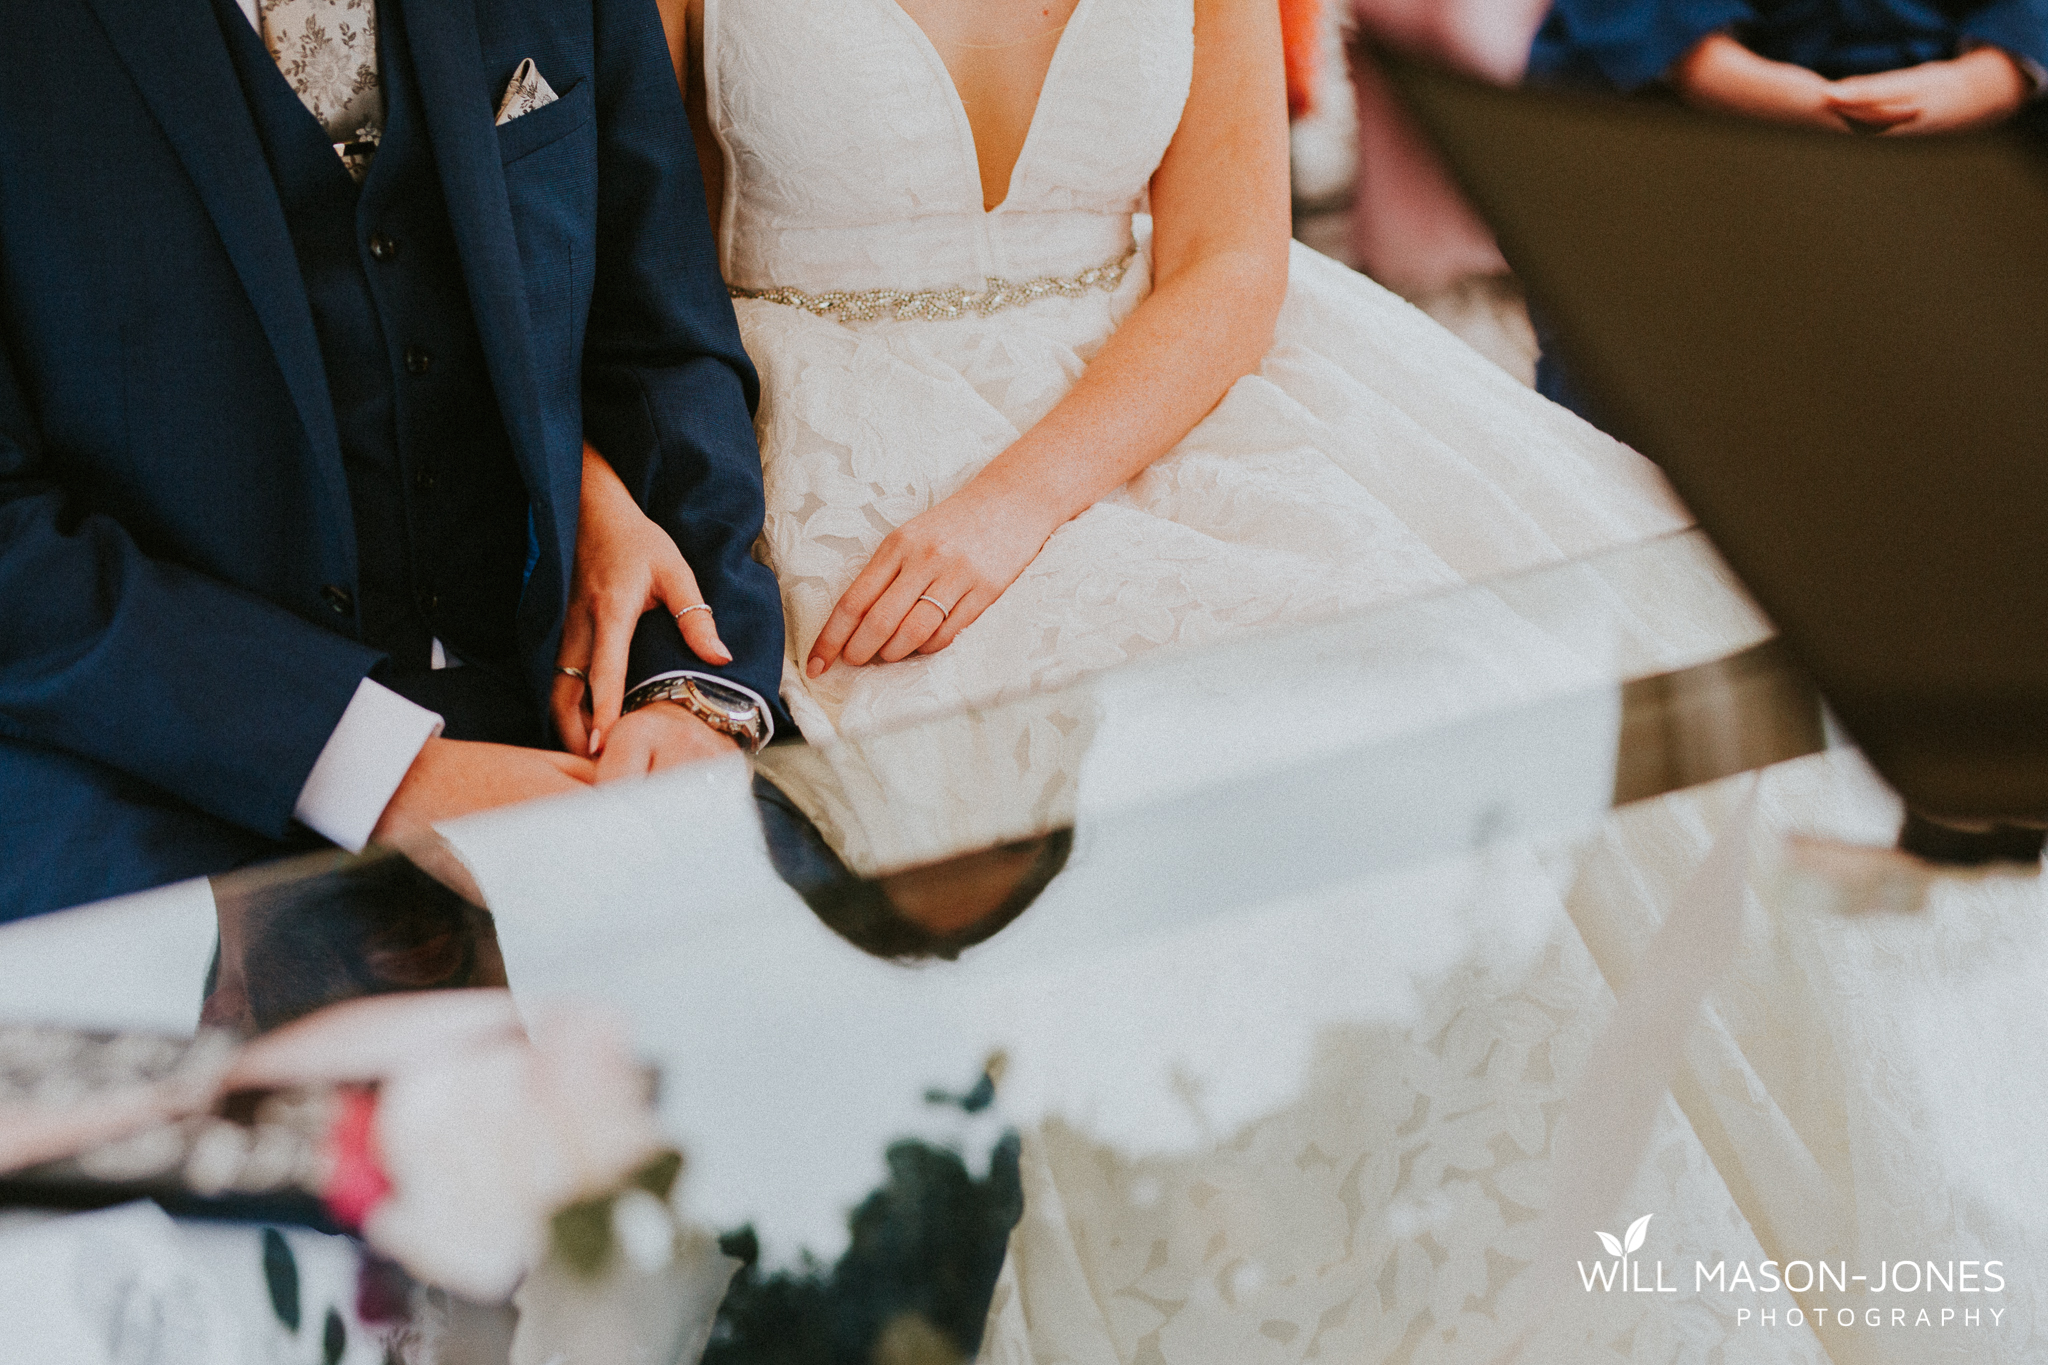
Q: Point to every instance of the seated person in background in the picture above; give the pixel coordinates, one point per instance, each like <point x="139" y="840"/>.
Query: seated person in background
<point x="1882" y="66"/>
<point x="300" y="937"/>
<point x="1863" y="66"/>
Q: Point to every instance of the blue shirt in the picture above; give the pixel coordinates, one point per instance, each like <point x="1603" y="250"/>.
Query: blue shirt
<point x="1628" y="44"/>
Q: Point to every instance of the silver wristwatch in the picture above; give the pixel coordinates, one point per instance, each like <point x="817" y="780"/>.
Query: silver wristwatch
<point x="724" y="708"/>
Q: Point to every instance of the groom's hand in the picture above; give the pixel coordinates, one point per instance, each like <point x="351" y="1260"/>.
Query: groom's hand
<point x="454" y="777"/>
<point x="658" y="736"/>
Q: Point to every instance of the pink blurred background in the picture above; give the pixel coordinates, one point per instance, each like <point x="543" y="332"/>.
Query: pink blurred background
<point x="1410" y="228"/>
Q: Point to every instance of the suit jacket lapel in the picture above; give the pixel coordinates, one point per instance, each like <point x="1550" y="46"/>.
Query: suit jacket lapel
<point x="173" y="51"/>
<point x="448" y="62"/>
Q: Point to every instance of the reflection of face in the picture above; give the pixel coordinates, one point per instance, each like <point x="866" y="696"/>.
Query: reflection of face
<point x="950" y="897"/>
<point x="940" y="909"/>
<point x="227" y="989"/>
<point x="369" y="926"/>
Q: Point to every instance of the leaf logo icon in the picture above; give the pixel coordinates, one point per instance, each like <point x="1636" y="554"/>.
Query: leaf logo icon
<point x="1607" y="1240"/>
<point x="1637" y="1231"/>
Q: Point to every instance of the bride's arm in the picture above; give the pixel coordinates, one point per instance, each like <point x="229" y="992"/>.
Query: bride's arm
<point x="1220" y="225"/>
<point x="682" y="22"/>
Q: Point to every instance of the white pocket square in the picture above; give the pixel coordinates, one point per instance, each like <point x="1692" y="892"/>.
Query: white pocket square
<point x="527" y="92"/>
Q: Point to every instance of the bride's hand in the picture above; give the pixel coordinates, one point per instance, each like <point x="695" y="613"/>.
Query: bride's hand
<point x="626" y="566"/>
<point x="932" y="577"/>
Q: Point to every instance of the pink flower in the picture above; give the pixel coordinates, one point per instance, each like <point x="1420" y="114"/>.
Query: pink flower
<point x="357" y="1183"/>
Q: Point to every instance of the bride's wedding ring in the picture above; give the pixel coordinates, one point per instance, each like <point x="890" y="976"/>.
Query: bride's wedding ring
<point x="578" y="674"/>
<point x="699" y="606"/>
<point x="944" y="611"/>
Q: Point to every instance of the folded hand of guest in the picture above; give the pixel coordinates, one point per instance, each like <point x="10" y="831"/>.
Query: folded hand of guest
<point x="932" y="577"/>
<point x="1976" y="90"/>
<point x="1719" y="73"/>
<point x="626" y="566"/>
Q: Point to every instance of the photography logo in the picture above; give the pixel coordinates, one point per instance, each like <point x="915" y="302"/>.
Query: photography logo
<point x="1896" y="1293"/>
<point x="1610" y="1274"/>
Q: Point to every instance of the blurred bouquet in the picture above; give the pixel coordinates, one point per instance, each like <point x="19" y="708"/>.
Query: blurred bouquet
<point x="459" y="1144"/>
<point x="463" y="1147"/>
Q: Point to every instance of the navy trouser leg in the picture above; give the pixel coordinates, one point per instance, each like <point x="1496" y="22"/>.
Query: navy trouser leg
<point x="801" y="856"/>
<point x="1553" y="381"/>
<point x="72" y="831"/>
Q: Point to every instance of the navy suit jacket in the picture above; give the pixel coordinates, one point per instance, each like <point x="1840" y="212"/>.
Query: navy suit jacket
<point x="173" y="507"/>
<point x="1628" y="44"/>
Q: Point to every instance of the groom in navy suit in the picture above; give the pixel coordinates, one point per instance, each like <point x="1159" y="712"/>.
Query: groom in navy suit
<point x="307" y="308"/>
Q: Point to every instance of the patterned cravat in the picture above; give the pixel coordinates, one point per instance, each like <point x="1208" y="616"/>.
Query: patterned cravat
<point x="327" y="49"/>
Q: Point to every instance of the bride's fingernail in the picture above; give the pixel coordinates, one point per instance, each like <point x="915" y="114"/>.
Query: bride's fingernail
<point x="814" y="667"/>
<point x="596" y="742"/>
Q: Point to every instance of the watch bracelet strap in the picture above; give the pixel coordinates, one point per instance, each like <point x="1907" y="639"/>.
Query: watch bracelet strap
<point x="637" y="697"/>
<point x="672" y="689"/>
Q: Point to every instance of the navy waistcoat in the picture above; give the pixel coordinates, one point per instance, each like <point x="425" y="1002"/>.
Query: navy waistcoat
<point x="440" y="511"/>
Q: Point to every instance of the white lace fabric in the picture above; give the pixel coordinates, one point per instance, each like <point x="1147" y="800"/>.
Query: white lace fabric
<point x="1850" y="1095"/>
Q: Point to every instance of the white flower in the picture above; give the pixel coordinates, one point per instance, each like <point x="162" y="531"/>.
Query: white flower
<point x="482" y="1148"/>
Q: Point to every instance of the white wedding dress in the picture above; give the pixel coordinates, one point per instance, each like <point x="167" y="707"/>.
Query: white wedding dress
<point x="1371" y="457"/>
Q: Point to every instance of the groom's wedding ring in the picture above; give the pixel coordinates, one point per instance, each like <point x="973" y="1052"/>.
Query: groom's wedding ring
<point x="700" y="606"/>
<point x="578" y="674"/>
<point x="944" y="611"/>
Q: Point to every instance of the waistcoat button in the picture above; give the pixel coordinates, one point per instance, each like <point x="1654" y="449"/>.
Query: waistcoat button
<point x="418" y="360"/>
<point x="338" y="598"/>
<point x="383" y="249"/>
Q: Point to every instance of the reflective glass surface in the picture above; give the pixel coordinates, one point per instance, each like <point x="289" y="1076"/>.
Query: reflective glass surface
<point x="1284" y="1000"/>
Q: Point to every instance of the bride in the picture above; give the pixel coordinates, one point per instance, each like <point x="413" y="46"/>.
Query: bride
<point x="1045" y="385"/>
<point x="1045" y="388"/>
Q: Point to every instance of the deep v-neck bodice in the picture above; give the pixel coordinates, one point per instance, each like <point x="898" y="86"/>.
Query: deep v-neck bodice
<point x="1076" y="18"/>
<point x="850" y="160"/>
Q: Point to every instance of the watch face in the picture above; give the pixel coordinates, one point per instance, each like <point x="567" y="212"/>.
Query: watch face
<point x="729" y="699"/>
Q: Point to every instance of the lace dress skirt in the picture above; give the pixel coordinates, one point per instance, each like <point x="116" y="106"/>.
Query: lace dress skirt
<point x="1372" y="457"/>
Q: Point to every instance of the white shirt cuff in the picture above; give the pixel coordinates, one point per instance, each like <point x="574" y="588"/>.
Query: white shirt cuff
<point x="767" y="716"/>
<point x="365" y="759"/>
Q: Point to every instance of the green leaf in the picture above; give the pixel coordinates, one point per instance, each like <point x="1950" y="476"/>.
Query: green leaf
<point x="333" y="1339"/>
<point x="281" y="1278"/>
<point x="658" y="1176"/>
<point x="583" y="1235"/>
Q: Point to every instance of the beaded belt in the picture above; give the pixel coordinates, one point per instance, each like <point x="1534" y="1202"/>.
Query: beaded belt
<point x="909" y="305"/>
